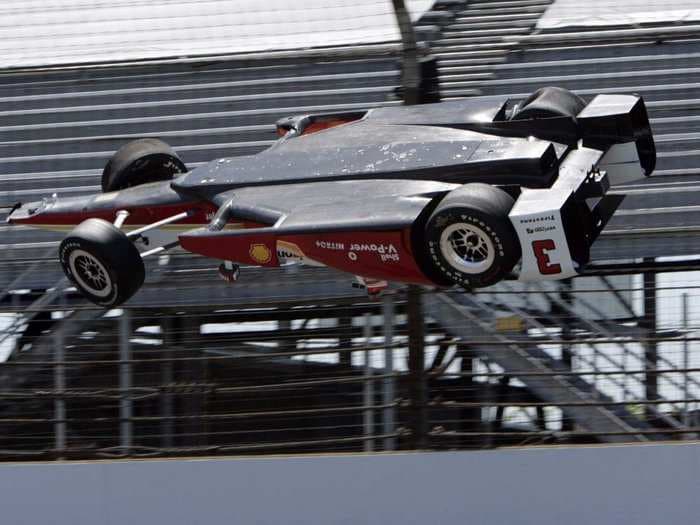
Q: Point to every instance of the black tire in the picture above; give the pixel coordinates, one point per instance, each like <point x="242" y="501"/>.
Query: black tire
<point x="550" y="102"/>
<point x="470" y="240"/>
<point x="102" y="262"/>
<point x="139" y="162"/>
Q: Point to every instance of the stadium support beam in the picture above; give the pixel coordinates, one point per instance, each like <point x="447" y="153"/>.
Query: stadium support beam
<point x="470" y="416"/>
<point x="410" y="70"/>
<point x="195" y="428"/>
<point x="567" y="356"/>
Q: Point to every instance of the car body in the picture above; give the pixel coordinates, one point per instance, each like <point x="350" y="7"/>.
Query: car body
<point x="356" y="191"/>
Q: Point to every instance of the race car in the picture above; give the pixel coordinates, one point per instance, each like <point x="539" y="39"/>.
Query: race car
<point x="464" y="192"/>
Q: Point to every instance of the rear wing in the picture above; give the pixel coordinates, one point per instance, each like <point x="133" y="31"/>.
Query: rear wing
<point x="616" y="119"/>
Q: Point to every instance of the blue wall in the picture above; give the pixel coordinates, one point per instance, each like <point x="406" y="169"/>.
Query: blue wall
<point x="639" y="485"/>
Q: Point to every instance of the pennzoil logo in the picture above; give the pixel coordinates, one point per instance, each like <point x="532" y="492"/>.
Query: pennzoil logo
<point x="260" y="253"/>
<point x="289" y="250"/>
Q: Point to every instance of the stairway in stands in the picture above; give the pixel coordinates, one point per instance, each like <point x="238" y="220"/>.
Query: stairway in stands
<point x="467" y="317"/>
<point x="473" y="42"/>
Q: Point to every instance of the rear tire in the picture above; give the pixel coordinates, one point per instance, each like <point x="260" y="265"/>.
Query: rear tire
<point x="550" y="102"/>
<point x="470" y="240"/>
<point x="102" y="262"/>
<point x="140" y="162"/>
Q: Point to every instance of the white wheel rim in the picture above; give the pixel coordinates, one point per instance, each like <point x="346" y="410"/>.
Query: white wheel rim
<point x="467" y="248"/>
<point x="90" y="273"/>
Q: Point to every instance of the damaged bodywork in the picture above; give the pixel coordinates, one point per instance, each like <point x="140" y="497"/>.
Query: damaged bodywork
<point x="462" y="192"/>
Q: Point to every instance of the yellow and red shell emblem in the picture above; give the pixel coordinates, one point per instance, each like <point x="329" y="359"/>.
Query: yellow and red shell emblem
<point x="260" y="253"/>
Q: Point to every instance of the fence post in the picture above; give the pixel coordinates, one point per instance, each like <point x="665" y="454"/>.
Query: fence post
<point x="368" y="386"/>
<point x="125" y="408"/>
<point x="59" y="380"/>
<point x="388" y="383"/>
<point x="416" y="367"/>
<point x="686" y="366"/>
<point x="567" y="356"/>
<point x="651" y="382"/>
<point x="170" y="329"/>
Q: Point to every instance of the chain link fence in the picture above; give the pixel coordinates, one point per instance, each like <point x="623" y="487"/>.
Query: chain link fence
<point x="418" y="369"/>
<point x="294" y="359"/>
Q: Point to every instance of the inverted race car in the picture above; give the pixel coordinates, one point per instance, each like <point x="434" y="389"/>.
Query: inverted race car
<point x="464" y="192"/>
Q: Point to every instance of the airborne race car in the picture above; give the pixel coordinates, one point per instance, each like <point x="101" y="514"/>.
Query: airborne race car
<point x="462" y="192"/>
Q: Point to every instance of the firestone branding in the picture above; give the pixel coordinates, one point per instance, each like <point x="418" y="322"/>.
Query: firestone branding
<point x="538" y="219"/>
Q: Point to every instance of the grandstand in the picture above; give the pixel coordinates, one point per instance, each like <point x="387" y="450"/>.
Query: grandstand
<point x="296" y="359"/>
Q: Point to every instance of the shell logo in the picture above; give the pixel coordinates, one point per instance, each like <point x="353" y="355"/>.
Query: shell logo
<point x="260" y="253"/>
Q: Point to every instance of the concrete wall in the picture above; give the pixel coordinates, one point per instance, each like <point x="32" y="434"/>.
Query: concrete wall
<point x="628" y="484"/>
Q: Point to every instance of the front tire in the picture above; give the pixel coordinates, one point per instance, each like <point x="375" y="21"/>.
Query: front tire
<point x="470" y="240"/>
<point x="102" y="262"/>
<point x="139" y="162"/>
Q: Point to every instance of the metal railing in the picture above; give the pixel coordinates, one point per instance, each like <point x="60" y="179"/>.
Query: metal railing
<point x="342" y="375"/>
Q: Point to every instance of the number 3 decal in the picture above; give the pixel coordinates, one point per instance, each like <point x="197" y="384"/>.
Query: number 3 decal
<point x="540" y="248"/>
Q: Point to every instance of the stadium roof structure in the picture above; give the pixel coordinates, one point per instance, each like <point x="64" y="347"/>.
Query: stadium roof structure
<point x="60" y="32"/>
<point x="607" y="13"/>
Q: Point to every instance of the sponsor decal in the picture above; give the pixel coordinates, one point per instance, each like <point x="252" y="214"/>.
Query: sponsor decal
<point x="289" y="250"/>
<point x="330" y="245"/>
<point x="386" y="252"/>
<point x="260" y="253"/>
<point x="540" y="229"/>
<point x="543" y="218"/>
